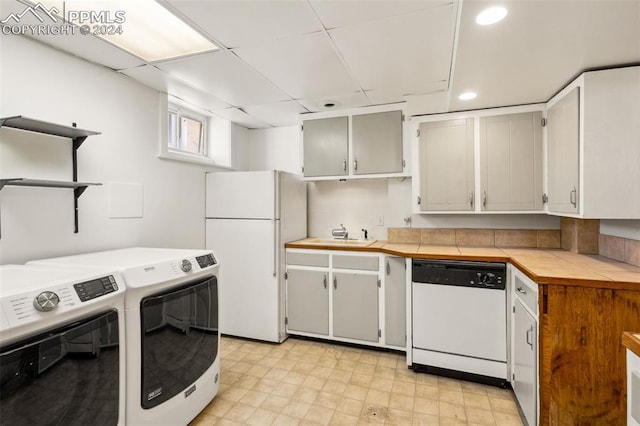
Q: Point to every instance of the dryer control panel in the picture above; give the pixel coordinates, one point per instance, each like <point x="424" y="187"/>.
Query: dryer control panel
<point x="95" y="288"/>
<point x="206" y="260"/>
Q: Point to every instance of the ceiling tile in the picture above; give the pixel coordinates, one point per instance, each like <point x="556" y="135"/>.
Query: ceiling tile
<point x="539" y="48"/>
<point x="240" y="117"/>
<point x="303" y="66"/>
<point x="226" y="77"/>
<point x="280" y="114"/>
<point x="340" y="13"/>
<point x="248" y="23"/>
<point x="161" y="81"/>
<point x="408" y="54"/>
<point x="389" y="95"/>
<point x="431" y="103"/>
<point x="351" y="100"/>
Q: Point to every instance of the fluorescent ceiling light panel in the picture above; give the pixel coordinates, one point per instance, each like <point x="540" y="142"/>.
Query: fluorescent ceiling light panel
<point x="148" y="30"/>
<point x="467" y="96"/>
<point x="491" y="15"/>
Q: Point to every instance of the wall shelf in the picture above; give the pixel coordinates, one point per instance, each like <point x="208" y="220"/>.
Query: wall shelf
<point x="77" y="137"/>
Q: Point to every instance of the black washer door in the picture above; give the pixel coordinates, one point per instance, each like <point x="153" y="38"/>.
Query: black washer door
<point x="179" y="339"/>
<point x="68" y="376"/>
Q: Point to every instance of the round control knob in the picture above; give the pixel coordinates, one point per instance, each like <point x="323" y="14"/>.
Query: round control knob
<point x="46" y="301"/>
<point x="185" y="265"/>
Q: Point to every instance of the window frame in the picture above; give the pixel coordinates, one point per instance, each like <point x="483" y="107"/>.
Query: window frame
<point x="168" y="104"/>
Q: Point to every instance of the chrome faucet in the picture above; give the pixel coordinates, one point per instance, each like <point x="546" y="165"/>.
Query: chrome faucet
<point x="340" y="233"/>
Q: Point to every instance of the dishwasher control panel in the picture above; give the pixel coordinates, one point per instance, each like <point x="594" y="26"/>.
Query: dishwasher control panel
<point x="488" y="275"/>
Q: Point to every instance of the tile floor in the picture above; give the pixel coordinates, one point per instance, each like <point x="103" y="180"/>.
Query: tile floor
<point x="304" y="382"/>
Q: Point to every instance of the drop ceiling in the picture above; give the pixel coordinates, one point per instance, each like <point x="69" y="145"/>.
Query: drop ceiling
<point x="280" y="59"/>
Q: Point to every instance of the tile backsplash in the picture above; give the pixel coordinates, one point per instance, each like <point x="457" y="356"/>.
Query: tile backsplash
<point x="618" y="248"/>
<point x="525" y="238"/>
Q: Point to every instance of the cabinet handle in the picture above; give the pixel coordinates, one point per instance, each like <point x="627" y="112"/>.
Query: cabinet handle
<point x="388" y="268"/>
<point x="521" y="290"/>
<point x="355" y="165"/>
<point x="572" y="196"/>
<point x="484" y="198"/>
<point x="344" y="165"/>
<point x="335" y="283"/>
<point x="324" y="281"/>
<point x="529" y="333"/>
<point x="471" y="199"/>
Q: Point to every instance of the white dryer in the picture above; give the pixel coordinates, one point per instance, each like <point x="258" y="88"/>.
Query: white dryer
<point x="173" y="362"/>
<point x="62" y="346"/>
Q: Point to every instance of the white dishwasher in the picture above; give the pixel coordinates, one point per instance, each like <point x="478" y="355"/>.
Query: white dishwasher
<point x="459" y="319"/>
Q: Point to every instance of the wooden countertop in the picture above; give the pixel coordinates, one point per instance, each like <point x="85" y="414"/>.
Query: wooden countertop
<point x="543" y="266"/>
<point x="632" y="342"/>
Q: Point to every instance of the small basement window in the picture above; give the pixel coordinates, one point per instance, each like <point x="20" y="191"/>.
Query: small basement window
<point x="187" y="132"/>
<point x="193" y="136"/>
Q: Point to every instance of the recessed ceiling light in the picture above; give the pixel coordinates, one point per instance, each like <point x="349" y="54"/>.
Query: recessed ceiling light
<point x="467" y="96"/>
<point x="142" y="27"/>
<point x="491" y="15"/>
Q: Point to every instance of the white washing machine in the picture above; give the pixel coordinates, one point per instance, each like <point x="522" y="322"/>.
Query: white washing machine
<point x="62" y="346"/>
<point x="171" y="315"/>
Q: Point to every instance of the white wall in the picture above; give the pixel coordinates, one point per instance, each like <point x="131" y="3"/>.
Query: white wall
<point x="42" y="83"/>
<point x="621" y="228"/>
<point x="276" y="148"/>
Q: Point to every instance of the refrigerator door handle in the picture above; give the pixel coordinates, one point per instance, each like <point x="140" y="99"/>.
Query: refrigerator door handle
<point x="275" y="247"/>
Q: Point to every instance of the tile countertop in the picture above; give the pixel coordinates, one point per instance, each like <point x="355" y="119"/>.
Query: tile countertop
<point x="543" y="266"/>
<point x="632" y="342"/>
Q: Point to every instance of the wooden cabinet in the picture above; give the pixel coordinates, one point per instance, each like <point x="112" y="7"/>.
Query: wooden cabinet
<point x="395" y="301"/>
<point x="511" y="162"/>
<point x="446" y="165"/>
<point x="582" y="360"/>
<point x="355" y="306"/>
<point x="308" y="301"/>
<point x="563" y="142"/>
<point x="325" y="147"/>
<point x="355" y="145"/>
<point x="377" y="143"/>
<point x="594" y="146"/>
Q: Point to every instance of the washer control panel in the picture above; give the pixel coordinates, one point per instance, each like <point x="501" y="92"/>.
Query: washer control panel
<point x="46" y="301"/>
<point x="206" y="260"/>
<point x="95" y="288"/>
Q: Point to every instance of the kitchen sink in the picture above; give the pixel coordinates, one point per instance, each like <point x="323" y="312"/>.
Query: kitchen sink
<point x="333" y="242"/>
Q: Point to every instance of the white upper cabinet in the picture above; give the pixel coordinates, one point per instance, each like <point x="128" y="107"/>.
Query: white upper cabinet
<point x="446" y="165"/>
<point x="563" y="143"/>
<point x="326" y="147"/>
<point x="377" y="143"/>
<point x="480" y="161"/>
<point x="362" y="143"/>
<point x="604" y="164"/>
<point x="511" y="162"/>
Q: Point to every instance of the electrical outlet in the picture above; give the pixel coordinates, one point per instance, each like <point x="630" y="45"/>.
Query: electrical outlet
<point x="380" y="220"/>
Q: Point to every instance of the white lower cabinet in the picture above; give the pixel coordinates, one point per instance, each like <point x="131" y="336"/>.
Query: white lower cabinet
<point x="524" y="344"/>
<point x="347" y="296"/>
<point x="308" y="297"/>
<point x="355" y="306"/>
<point x="633" y="389"/>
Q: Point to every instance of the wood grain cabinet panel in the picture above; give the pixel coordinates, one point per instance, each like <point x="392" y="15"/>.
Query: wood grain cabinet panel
<point x="582" y="364"/>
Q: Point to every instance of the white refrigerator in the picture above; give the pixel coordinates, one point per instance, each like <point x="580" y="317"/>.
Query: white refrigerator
<point x="249" y="218"/>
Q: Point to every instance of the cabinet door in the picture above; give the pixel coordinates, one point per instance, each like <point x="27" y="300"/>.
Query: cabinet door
<point x="355" y="306"/>
<point x="582" y="361"/>
<point x="308" y="301"/>
<point x="446" y="165"/>
<point x="511" y="162"/>
<point x="395" y="302"/>
<point x="377" y="143"/>
<point x="563" y="137"/>
<point x="525" y="354"/>
<point x="325" y="146"/>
